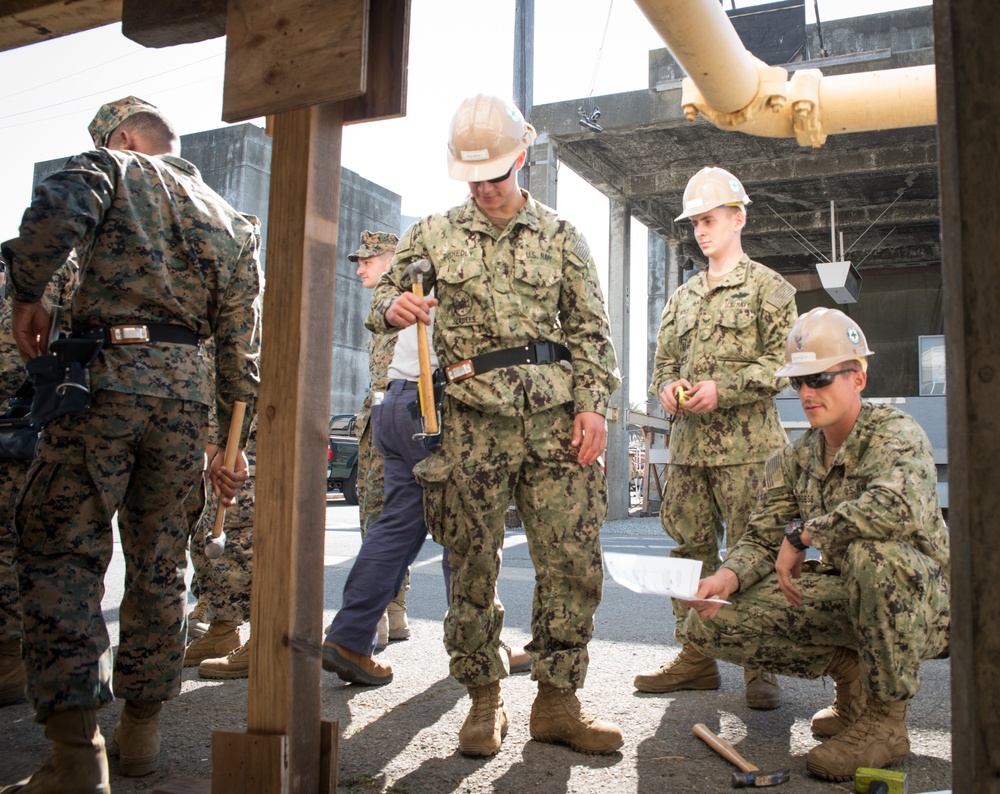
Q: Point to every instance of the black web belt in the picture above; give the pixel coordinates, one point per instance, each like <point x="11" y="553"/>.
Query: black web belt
<point x="531" y="353"/>
<point x="140" y="334"/>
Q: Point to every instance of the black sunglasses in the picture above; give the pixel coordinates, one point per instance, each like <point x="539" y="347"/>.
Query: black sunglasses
<point x="498" y="179"/>
<point x="818" y="381"/>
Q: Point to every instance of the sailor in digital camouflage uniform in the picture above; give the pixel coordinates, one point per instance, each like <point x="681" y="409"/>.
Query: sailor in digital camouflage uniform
<point x="517" y="296"/>
<point x="721" y="339"/>
<point x="861" y="487"/>
<point x="372" y="258"/>
<point x="12" y="472"/>
<point x="166" y="263"/>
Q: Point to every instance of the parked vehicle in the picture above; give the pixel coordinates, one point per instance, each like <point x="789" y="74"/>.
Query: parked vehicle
<point x="342" y="458"/>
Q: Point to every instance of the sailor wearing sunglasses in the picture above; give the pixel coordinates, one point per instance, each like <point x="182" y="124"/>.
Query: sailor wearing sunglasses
<point x="861" y="487"/>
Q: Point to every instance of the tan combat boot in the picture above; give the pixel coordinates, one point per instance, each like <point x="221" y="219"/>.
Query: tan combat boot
<point x="849" y="699"/>
<point x="198" y="622"/>
<point x="136" y="739"/>
<point x="235" y="665"/>
<point x="382" y="640"/>
<point x="487" y="723"/>
<point x="78" y="764"/>
<point x="222" y="637"/>
<point x="690" y="669"/>
<point x="557" y="718"/>
<point x="12" y="677"/>
<point x="877" y="739"/>
<point x="399" y="626"/>
<point x="518" y="660"/>
<point x="763" y="691"/>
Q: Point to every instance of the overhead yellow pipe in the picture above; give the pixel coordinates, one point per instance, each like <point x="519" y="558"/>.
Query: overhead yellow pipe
<point x="736" y="91"/>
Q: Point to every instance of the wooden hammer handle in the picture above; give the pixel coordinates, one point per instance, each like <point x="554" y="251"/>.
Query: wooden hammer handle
<point x="232" y="450"/>
<point x="723" y="748"/>
<point x="426" y="382"/>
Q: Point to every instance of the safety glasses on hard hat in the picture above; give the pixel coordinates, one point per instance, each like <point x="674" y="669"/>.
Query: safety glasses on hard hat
<point x="818" y="381"/>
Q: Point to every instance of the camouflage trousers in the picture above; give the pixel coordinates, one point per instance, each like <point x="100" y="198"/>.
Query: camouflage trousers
<point x="890" y="602"/>
<point x="484" y="461"/>
<point x="700" y="505"/>
<point x="12" y="474"/>
<point x="225" y="582"/>
<point x="138" y="456"/>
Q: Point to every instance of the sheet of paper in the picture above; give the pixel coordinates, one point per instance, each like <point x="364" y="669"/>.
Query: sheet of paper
<point x="668" y="576"/>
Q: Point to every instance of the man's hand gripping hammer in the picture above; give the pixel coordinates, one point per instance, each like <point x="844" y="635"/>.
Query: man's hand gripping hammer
<point x="428" y="413"/>
<point x="217" y="543"/>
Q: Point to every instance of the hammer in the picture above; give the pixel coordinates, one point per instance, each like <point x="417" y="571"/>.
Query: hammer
<point x="750" y="776"/>
<point x="879" y="781"/>
<point x="217" y="544"/>
<point x="416" y="270"/>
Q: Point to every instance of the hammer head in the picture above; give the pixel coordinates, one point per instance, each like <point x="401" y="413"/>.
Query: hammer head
<point x="215" y="546"/>
<point x="760" y="779"/>
<point x="417" y="268"/>
<point x="865" y="781"/>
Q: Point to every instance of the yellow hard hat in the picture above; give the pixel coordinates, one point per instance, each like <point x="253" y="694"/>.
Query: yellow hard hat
<point x="487" y="135"/>
<point x="820" y="339"/>
<point x="712" y="187"/>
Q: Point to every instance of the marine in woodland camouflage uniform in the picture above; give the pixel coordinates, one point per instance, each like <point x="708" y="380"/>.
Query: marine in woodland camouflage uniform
<point x="161" y="247"/>
<point x="12" y="473"/>
<point x="507" y="432"/>
<point x="371" y="479"/>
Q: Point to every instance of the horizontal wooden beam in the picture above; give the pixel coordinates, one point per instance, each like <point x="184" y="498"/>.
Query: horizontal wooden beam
<point x="24" y="22"/>
<point x="166" y="23"/>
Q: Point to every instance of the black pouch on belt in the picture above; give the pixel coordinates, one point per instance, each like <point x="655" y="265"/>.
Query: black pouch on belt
<point x="430" y="442"/>
<point x="62" y="378"/>
<point x="18" y="432"/>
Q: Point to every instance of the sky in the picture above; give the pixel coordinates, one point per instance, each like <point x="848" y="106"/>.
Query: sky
<point x="50" y="91"/>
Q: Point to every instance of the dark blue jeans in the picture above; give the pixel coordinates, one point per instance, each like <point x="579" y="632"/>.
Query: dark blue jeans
<point x="393" y="541"/>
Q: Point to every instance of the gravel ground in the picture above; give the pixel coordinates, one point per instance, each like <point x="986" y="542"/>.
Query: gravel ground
<point x="402" y="738"/>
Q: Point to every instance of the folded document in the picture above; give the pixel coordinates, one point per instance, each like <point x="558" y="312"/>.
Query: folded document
<point x="669" y="576"/>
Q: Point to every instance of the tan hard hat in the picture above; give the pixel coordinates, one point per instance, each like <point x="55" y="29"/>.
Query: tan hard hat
<point x="712" y="187"/>
<point x="822" y="338"/>
<point x="487" y="135"/>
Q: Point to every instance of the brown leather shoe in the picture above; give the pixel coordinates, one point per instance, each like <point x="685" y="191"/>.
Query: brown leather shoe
<point x="354" y="667"/>
<point x="519" y="661"/>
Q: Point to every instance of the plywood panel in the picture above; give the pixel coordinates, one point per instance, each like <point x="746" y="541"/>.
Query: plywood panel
<point x="388" y="48"/>
<point x="287" y="54"/>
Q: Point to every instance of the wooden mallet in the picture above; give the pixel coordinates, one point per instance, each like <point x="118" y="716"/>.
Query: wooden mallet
<point x="217" y="543"/>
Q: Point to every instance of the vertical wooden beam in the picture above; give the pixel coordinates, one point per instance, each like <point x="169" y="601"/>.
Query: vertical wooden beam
<point x="619" y="287"/>
<point x="287" y="597"/>
<point x="968" y="72"/>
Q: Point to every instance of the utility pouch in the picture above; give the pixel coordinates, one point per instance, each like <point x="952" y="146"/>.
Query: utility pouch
<point x="430" y="442"/>
<point x="62" y="378"/>
<point x="18" y="433"/>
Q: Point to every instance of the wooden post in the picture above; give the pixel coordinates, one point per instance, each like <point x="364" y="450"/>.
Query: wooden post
<point x="967" y="73"/>
<point x="283" y="738"/>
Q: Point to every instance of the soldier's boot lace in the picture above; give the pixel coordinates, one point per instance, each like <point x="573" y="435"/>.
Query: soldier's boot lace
<point x="487" y="722"/>
<point x="849" y="698"/>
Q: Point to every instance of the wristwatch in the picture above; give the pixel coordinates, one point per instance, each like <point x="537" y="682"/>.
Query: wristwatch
<point x="793" y="533"/>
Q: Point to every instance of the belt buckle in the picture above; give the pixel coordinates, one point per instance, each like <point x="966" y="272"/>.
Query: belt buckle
<point x="129" y="334"/>
<point x="544" y="354"/>
<point x="460" y="370"/>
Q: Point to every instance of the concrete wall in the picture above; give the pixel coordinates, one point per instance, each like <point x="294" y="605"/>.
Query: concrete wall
<point x="235" y="161"/>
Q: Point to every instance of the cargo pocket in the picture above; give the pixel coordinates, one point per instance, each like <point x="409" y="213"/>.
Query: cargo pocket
<point x="434" y="474"/>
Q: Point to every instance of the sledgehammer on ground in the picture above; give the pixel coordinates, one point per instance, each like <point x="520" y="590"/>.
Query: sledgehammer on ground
<point x="750" y="776"/>
<point x="217" y="544"/>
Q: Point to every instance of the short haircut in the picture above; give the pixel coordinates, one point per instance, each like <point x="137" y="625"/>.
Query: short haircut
<point x="152" y="126"/>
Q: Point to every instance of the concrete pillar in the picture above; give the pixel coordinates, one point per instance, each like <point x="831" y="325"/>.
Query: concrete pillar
<point x="662" y="280"/>
<point x="967" y="74"/>
<point x="619" y="268"/>
<point x="542" y="179"/>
